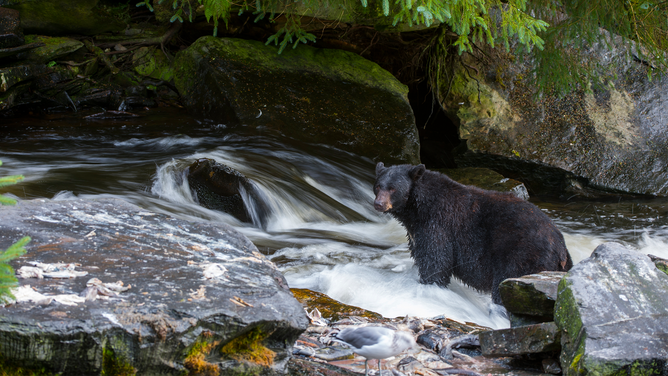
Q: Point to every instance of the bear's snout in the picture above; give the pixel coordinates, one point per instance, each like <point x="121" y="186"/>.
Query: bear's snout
<point x="383" y="202"/>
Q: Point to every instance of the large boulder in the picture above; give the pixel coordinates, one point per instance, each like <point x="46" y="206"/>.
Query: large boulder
<point x="202" y="299"/>
<point x="612" y="309"/>
<point x="612" y="138"/>
<point x="324" y="96"/>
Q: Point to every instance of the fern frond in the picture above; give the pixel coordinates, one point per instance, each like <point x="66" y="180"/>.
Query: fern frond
<point x="8" y="280"/>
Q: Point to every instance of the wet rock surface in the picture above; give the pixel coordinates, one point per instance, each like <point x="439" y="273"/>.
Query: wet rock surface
<point x="330" y="309"/>
<point x="316" y="352"/>
<point x="200" y="295"/>
<point x="486" y="179"/>
<point x="220" y="187"/>
<point x="613" y="313"/>
<point x="306" y="93"/>
<point x="531" y="298"/>
<point x="610" y="138"/>
<point x="528" y="339"/>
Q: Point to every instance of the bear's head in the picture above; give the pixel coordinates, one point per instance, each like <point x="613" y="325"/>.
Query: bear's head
<point x="393" y="185"/>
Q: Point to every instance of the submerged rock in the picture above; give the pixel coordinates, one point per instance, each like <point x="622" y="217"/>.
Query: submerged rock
<point x="322" y="96"/>
<point x="201" y="296"/>
<point x="220" y="187"/>
<point x="612" y="309"/>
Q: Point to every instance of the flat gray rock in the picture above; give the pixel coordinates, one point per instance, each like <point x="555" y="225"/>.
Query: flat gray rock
<point x="528" y="339"/>
<point x="201" y="294"/>
<point x="613" y="310"/>
<point x="531" y="295"/>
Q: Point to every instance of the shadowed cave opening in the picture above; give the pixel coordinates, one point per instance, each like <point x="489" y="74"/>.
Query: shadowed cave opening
<point x="439" y="136"/>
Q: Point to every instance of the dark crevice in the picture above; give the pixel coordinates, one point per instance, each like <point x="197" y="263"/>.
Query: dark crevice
<point x="439" y="136"/>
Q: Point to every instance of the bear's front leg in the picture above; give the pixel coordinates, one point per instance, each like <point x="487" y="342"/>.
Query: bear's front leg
<point x="433" y="266"/>
<point x="432" y="253"/>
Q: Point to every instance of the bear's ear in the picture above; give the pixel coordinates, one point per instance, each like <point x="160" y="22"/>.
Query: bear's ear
<point x="416" y="172"/>
<point x="379" y="167"/>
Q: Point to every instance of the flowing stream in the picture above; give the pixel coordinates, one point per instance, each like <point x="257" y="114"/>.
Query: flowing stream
<point x="323" y="232"/>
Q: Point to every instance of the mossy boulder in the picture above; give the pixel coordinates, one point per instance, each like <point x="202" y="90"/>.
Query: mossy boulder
<point x="609" y="137"/>
<point x="62" y="17"/>
<point x="53" y="48"/>
<point x="531" y="298"/>
<point x="151" y="62"/>
<point x="321" y="96"/>
<point x="612" y="309"/>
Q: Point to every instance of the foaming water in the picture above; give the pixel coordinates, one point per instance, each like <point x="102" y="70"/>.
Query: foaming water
<point x="322" y="230"/>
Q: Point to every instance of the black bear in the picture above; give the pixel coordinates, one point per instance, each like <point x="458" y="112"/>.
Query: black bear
<point x="481" y="237"/>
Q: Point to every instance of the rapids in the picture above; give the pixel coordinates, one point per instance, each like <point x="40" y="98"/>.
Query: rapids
<point x="323" y="232"/>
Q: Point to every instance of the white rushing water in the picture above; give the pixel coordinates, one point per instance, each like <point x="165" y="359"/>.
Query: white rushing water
<point x="323" y="232"/>
<point x="362" y="261"/>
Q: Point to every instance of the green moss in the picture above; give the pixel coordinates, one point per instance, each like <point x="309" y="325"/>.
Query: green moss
<point x="248" y="347"/>
<point x="566" y="314"/>
<point x="152" y="62"/>
<point x="329" y="308"/>
<point x="343" y="65"/>
<point x="645" y="367"/>
<point x="54" y="47"/>
<point x="113" y="365"/>
<point x="662" y="265"/>
<point x="195" y="361"/>
<point x="8" y="368"/>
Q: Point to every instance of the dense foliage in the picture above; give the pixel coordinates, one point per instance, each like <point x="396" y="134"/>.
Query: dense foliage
<point x="7" y="278"/>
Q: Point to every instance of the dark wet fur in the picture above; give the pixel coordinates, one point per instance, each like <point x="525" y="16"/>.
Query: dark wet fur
<point x="481" y="237"/>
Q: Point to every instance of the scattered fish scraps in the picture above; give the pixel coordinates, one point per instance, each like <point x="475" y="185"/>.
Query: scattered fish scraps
<point x="199" y="294"/>
<point x="26" y="293"/>
<point x="57" y="270"/>
<point x="316" y="318"/>
<point x="211" y="270"/>
<point x="240" y="302"/>
<point x="96" y="289"/>
<point x="434" y="335"/>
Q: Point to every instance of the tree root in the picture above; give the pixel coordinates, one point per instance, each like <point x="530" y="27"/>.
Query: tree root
<point x="100" y="54"/>
<point x="161" y="40"/>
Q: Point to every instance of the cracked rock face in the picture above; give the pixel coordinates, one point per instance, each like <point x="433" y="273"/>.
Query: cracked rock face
<point x="193" y="286"/>
<point x="613" y="314"/>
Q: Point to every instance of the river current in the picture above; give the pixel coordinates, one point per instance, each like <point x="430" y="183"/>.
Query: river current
<point x="323" y="232"/>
